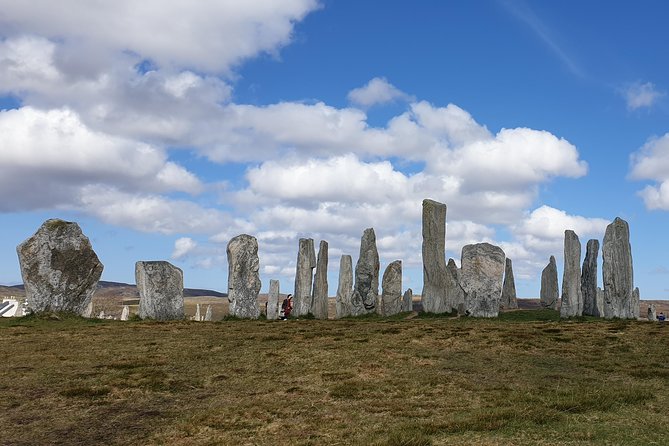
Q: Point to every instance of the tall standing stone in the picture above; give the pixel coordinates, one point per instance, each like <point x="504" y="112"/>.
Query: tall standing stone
<point x="273" y="300"/>
<point x="652" y="313"/>
<point x="572" y="299"/>
<point x="589" y="279"/>
<point x="319" y="302"/>
<point x="619" y="298"/>
<point x="304" y="275"/>
<point x="407" y="300"/>
<point x="391" y="289"/>
<point x="344" y="287"/>
<point x="509" y="299"/>
<point x="198" y="314"/>
<point x="550" y="292"/>
<point x="366" y="288"/>
<point x="434" y="257"/>
<point x="161" y="287"/>
<point x="208" y="314"/>
<point x="481" y="275"/>
<point x="243" y="276"/>
<point x="125" y="313"/>
<point x="60" y="270"/>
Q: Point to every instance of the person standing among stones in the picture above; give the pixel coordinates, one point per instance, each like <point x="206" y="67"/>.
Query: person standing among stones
<point x="286" y="307"/>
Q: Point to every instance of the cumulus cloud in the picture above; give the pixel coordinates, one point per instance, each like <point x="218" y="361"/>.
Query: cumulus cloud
<point x="182" y="247"/>
<point x="651" y="162"/>
<point x="641" y="95"/>
<point x="376" y="91"/>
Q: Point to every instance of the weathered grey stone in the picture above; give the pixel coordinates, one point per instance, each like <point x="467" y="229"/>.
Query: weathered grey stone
<point x="434" y="258"/>
<point x="455" y="295"/>
<point x="344" y="288"/>
<point x="88" y="312"/>
<point x="509" y="299"/>
<point x="273" y="300"/>
<point x="125" y="313"/>
<point x="208" y="314"/>
<point x="407" y="300"/>
<point x="589" y="280"/>
<point x="652" y="313"/>
<point x="618" y="272"/>
<point x="198" y="314"/>
<point x="572" y="299"/>
<point x="60" y="270"/>
<point x="101" y="315"/>
<point x="366" y="288"/>
<point x="304" y="275"/>
<point x="243" y="277"/>
<point x="319" y="301"/>
<point x="636" y="300"/>
<point x="550" y="292"/>
<point x="481" y="278"/>
<point x="161" y="286"/>
<point x="391" y="289"/>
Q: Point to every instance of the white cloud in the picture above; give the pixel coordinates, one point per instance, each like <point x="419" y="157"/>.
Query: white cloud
<point x="182" y="247"/>
<point x="651" y="162"/>
<point x="376" y="91"/>
<point x="639" y="95"/>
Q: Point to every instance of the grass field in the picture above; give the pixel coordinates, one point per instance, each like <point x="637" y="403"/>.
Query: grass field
<point x="523" y="379"/>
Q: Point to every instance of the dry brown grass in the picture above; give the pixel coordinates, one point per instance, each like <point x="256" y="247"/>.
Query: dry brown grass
<point x="522" y="379"/>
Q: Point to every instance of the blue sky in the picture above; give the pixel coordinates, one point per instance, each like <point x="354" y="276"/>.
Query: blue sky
<point x="168" y="129"/>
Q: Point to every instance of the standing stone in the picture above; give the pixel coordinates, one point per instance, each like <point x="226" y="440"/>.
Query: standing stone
<point x="243" y="277"/>
<point x="434" y="257"/>
<point x="344" y="287"/>
<point x="481" y="275"/>
<point x="407" y="300"/>
<point x="273" y="300"/>
<point x="161" y="290"/>
<point x="319" y="302"/>
<point x="619" y="300"/>
<point x="366" y="289"/>
<point x="391" y="289"/>
<point x="60" y="270"/>
<point x="198" y="315"/>
<point x="589" y="279"/>
<point x="509" y="300"/>
<point x="572" y="299"/>
<point x="208" y="314"/>
<point x="652" y="315"/>
<point x="88" y="312"/>
<point x="304" y="274"/>
<point x="101" y="315"/>
<point x="125" y="313"/>
<point x="455" y="295"/>
<point x="550" y="292"/>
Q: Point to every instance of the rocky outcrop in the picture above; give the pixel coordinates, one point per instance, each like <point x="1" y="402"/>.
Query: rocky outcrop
<point x="344" y="288"/>
<point x="273" y="300"/>
<point x="481" y="278"/>
<point x="509" y="299"/>
<point x="391" y="285"/>
<point x="572" y="299"/>
<point x="60" y="270"/>
<point x="619" y="298"/>
<point x="589" y="279"/>
<point x="319" y="302"/>
<point x="366" y="288"/>
<point x="304" y="274"/>
<point x="550" y="292"/>
<point x="243" y="277"/>
<point x="161" y="287"/>
<point x="407" y="300"/>
<point x="435" y="284"/>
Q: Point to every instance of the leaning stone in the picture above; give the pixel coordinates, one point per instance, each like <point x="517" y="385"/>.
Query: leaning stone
<point x="125" y="314"/>
<point x="434" y="258"/>
<point x="407" y="300"/>
<point x="344" y="287"/>
<point x="589" y="279"/>
<point x="550" y="293"/>
<point x="652" y="314"/>
<point x="60" y="270"/>
<point x="481" y="274"/>
<point x="572" y="299"/>
<point x="208" y="314"/>
<point x="319" y="301"/>
<point x="618" y="273"/>
<point x="161" y="286"/>
<point x="366" y="289"/>
<point x="509" y="299"/>
<point x="273" y="300"/>
<point x="391" y="286"/>
<point x="304" y="274"/>
<point x="243" y="277"/>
